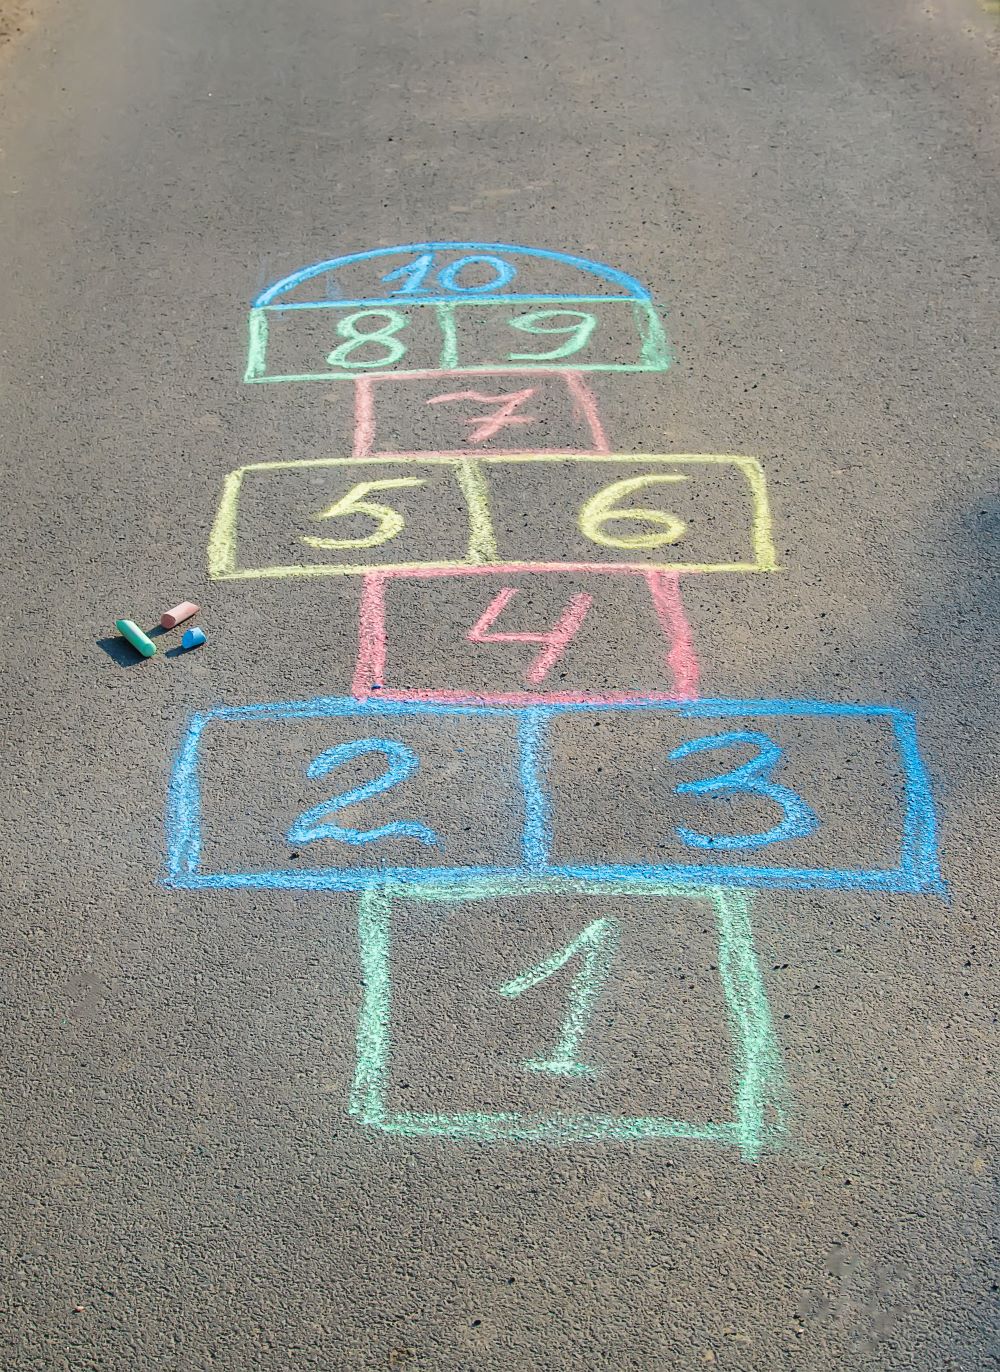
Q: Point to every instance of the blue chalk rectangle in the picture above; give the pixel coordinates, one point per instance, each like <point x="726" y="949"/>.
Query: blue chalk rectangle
<point x="710" y="792"/>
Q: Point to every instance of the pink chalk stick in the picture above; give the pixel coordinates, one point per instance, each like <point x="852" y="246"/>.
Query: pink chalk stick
<point x="171" y="618"/>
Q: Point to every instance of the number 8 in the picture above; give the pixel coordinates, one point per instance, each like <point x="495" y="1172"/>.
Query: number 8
<point x="347" y="328"/>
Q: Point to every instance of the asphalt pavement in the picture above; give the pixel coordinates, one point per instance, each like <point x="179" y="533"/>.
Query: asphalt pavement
<point x="551" y="922"/>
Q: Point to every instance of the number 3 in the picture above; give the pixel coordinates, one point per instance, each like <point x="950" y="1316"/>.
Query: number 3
<point x="753" y="777"/>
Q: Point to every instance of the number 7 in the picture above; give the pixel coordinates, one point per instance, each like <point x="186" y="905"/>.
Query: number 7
<point x="485" y="426"/>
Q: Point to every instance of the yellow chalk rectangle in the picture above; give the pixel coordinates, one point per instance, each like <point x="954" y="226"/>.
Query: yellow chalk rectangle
<point x="681" y="512"/>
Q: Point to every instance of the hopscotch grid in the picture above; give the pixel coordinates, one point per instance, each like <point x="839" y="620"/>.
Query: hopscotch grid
<point x="758" y="1100"/>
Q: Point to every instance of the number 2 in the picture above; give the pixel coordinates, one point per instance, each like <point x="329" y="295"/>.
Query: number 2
<point x="402" y="763"/>
<point x="754" y="777"/>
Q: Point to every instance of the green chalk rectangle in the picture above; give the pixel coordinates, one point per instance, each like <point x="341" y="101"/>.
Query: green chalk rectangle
<point x="139" y="641"/>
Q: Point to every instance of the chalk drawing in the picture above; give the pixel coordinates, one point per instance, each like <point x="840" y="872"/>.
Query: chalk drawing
<point x="753" y="777"/>
<point x="581" y="413"/>
<point x="553" y="643"/>
<point x="442" y="278"/>
<point x="424" y="314"/>
<point x="476" y="475"/>
<point x="415" y="273"/>
<point x="679" y="661"/>
<point x="595" y="946"/>
<point x="913" y="821"/>
<point x="389" y="522"/>
<point x="577" y="335"/>
<point x="758" y="1093"/>
<point x="421" y="335"/>
<point x="311" y="826"/>
<point x="357" y="340"/>
<point x="600" y="510"/>
<point x="485" y="427"/>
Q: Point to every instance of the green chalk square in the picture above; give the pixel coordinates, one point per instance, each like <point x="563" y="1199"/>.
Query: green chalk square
<point x="758" y="1095"/>
<point x="295" y="342"/>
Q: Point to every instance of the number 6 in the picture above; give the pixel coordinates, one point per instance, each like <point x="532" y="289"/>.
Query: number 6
<point x="600" y="510"/>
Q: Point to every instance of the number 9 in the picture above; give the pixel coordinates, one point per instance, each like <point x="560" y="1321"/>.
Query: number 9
<point x="577" y="334"/>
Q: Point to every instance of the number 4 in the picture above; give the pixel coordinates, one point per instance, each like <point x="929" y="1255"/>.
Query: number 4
<point x="554" y="643"/>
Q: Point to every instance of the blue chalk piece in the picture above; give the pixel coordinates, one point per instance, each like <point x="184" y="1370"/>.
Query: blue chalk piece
<point x="193" y="638"/>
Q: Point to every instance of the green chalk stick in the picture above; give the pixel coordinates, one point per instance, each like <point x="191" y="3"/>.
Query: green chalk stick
<point x="136" y="637"/>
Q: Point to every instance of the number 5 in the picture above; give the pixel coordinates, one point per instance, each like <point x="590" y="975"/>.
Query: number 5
<point x="753" y="777"/>
<point x="389" y="521"/>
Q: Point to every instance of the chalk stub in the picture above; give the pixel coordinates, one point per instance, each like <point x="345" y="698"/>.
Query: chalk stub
<point x="193" y="638"/>
<point x="136" y="637"/>
<point x="171" y="618"/>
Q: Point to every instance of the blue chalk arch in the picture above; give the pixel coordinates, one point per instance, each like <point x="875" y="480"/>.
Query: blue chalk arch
<point x="625" y="287"/>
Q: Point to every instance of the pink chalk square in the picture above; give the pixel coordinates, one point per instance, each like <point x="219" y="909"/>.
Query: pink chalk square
<point x="486" y="413"/>
<point x="513" y="636"/>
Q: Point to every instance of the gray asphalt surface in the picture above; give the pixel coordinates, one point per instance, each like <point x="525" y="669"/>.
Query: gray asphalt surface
<point x="812" y="192"/>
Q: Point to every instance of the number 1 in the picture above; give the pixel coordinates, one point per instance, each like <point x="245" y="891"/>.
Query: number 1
<point x="597" y="945"/>
<point x="412" y="273"/>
